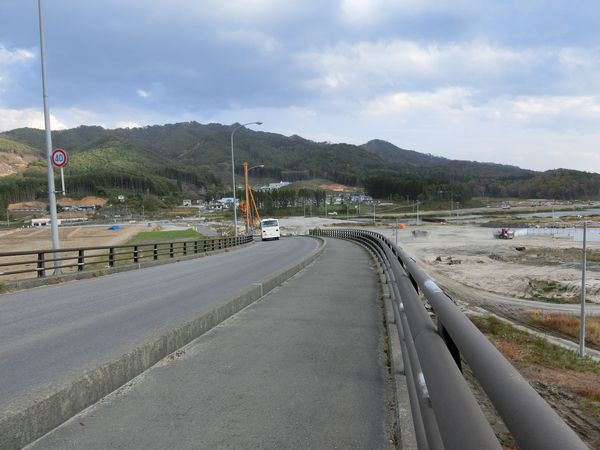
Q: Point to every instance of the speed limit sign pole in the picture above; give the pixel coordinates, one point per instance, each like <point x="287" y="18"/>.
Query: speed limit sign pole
<point x="60" y="159"/>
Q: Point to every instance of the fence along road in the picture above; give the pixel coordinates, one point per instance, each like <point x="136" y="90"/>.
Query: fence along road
<point x="53" y="335"/>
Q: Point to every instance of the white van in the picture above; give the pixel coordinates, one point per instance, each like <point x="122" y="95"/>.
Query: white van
<point x="269" y="229"/>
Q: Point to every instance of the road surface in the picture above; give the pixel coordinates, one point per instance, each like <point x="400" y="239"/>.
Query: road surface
<point x="56" y="333"/>
<point x="302" y="368"/>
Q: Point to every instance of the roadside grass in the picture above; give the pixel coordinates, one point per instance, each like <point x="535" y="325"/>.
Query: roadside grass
<point x="550" y="369"/>
<point x="569" y="325"/>
<point x="557" y="255"/>
<point x="146" y="237"/>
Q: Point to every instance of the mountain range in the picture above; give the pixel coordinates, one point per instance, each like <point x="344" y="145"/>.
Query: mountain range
<point x="167" y="160"/>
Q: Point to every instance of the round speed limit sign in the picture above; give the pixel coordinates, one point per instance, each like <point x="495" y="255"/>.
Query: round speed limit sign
<point x="59" y="157"/>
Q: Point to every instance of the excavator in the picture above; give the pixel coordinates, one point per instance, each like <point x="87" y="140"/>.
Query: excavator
<point x="504" y="233"/>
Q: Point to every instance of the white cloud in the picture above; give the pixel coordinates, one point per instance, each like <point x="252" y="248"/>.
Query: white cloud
<point x="249" y="38"/>
<point x="368" y="13"/>
<point x="127" y="124"/>
<point x="447" y="101"/>
<point x="13" y="56"/>
<point x="29" y="117"/>
<point x="10" y="60"/>
<point x="142" y="93"/>
<point x="372" y="67"/>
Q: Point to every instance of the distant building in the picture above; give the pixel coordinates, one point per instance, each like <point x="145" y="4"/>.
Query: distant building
<point x="43" y="222"/>
<point x="227" y="201"/>
<point x="361" y="198"/>
<point x="121" y="198"/>
<point x="274" y="186"/>
<point x="187" y="202"/>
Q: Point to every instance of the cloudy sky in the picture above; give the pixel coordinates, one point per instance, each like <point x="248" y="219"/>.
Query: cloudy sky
<point x="512" y="81"/>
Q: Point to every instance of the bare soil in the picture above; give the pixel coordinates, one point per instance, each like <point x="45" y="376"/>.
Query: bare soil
<point x="23" y="239"/>
<point x="336" y="187"/>
<point x="28" y="239"/>
<point x="547" y="269"/>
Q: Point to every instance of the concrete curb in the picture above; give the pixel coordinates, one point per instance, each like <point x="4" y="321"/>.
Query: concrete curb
<point x="29" y="283"/>
<point x="20" y="428"/>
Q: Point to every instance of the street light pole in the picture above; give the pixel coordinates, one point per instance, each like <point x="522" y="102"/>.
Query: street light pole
<point x="51" y="188"/>
<point x="235" y="232"/>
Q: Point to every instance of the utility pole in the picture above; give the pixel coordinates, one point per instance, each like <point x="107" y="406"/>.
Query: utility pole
<point x="582" y="315"/>
<point x="51" y="188"/>
<point x="417" y="212"/>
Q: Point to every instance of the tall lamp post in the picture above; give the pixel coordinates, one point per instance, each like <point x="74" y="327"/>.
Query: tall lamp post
<point x="51" y="188"/>
<point x="235" y="232"/>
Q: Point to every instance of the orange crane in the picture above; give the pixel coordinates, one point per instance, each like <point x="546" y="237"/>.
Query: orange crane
<point x="251" y="220"/>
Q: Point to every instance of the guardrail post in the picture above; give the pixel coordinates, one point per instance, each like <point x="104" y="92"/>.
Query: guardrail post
<point x="184" y="248"/>
<point x="195" y="247"/>
<point x="452" y="348"/>
<point x="414" y="282"/>
<point x="111" y="257"/>
<point x="136" y="257"/>
<point x="80" y="261"/>
<point x="41" y="267"/>
<point x="171" y="251"/>
<point x="155" y="252"/>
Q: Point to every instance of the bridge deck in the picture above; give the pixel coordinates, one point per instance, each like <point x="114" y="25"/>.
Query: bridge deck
<point x="302" y="368"/>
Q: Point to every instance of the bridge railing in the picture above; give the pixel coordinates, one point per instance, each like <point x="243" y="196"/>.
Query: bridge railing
<point x="21" y="265"/>
<point x="444" y="409"/>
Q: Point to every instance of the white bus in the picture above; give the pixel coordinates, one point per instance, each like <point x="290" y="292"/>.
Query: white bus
<point x="269" y="229"/>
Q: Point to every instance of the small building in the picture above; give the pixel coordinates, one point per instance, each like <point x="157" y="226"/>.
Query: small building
<point x="121" y="198"/>
<point x="187" y="202"/>
<point x="227" y="201"/>
<point x="274" y="186"/>
<point x="43" y="222"/>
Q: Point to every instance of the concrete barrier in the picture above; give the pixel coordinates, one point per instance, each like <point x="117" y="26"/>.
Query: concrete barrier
<point x="19" y="428"/>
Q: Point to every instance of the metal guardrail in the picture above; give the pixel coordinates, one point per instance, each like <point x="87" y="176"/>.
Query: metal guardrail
<point x="445" y="413"/>
<point x="17" y="265"/>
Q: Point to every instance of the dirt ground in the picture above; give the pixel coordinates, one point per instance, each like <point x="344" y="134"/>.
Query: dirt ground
<point x="545" y="268"/>
<point x="62" y="201"/>
<point x="23" y="239"/>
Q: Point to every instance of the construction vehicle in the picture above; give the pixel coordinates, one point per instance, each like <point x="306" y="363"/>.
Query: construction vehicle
<point x="248" y="207"/>
<point x="504" y="233"/>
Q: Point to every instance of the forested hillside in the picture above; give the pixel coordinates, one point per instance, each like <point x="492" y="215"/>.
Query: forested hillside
<point x="164" y="160"/>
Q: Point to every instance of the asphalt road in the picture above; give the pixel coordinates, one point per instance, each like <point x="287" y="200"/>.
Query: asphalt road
<point x="53" y="334"/>
<point x="304" y="367"/>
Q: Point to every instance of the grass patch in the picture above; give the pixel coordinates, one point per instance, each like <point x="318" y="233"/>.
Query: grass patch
<point x="557" y="255"/>
<point x="533" y="349"/>
<point x="551" y="369"/>
<point x="146" y="237"/>
<point x="551" y="291"/>
<point x="569" y="325"/>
